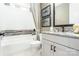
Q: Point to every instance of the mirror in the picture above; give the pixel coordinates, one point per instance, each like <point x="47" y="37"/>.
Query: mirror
<point x="66" y="14"/>
<point x="61" y="14"/>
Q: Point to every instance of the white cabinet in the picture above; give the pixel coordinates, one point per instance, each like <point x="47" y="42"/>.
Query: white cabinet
<point x="57" y="48"/>
<point x="64" y="51"/>
<point x="47" y="48"/>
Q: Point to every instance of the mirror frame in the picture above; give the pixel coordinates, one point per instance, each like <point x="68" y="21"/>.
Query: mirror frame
<point x="65" y="25"/>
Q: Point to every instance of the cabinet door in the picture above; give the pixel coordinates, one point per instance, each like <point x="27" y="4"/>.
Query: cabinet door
<point x="64" y="51"/>
<point x="47" y="48"/>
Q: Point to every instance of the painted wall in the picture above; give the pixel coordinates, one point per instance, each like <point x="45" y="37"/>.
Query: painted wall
<point x="74" y="13"/>
<point x="42" y="5"/>
<point x="13" y="18"/>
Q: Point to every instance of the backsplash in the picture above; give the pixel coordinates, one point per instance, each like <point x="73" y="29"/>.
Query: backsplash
<point x="66" y="29"/>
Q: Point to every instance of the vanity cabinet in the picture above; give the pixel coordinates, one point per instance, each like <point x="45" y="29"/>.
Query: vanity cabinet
<point x="50" y="47"/>
<point x="64" y="51"/>
<point x="47" y="48"/>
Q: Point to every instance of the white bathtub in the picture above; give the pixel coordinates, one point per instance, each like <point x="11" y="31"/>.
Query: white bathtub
<point x="18" y="45"/>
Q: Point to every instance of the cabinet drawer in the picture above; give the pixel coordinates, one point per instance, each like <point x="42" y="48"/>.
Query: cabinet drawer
<point x="69" y="42"/>
<point x="64" y="51"/>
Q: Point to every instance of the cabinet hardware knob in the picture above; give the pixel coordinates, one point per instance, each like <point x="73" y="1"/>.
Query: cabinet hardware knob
<point x="54" y="48"/>
<point x="51" y="47"/>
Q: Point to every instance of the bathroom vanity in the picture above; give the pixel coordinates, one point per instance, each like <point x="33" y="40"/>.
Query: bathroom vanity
<point x="60" y="44"/>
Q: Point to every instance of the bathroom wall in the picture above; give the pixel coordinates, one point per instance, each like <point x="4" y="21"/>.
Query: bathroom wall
<point x="74" y="13"/>
<point x="15" y="18"/>
<point x="42" y="5"/>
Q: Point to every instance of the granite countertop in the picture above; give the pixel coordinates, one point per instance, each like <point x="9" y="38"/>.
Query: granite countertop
<point x="64" y="34"/>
